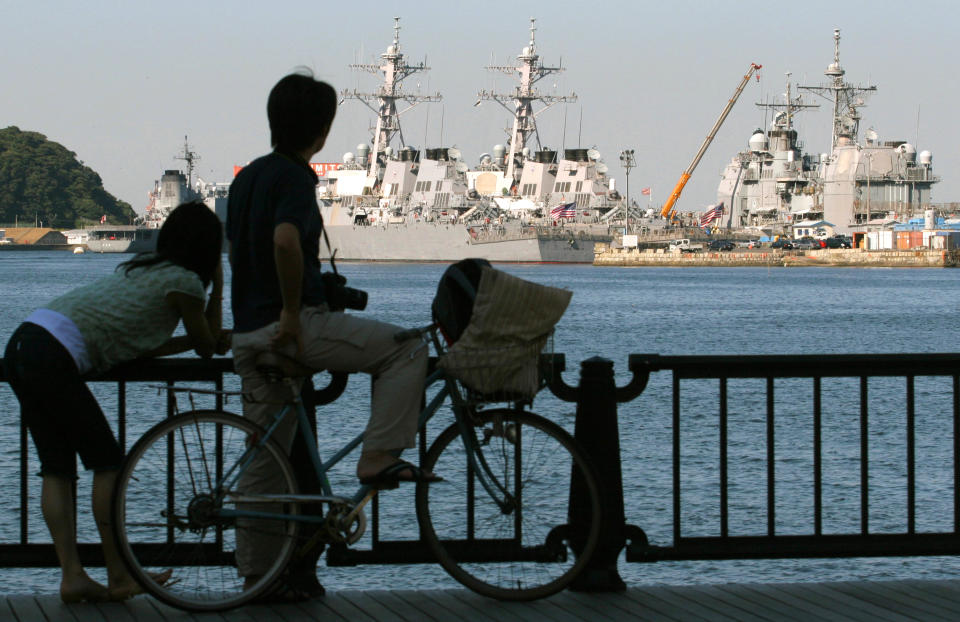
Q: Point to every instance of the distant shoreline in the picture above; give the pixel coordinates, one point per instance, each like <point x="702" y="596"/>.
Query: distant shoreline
<point x="42" y="247"/>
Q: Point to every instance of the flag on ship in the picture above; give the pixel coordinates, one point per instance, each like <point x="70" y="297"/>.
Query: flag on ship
<point x="103" y="219"/>
<point x="564" y="210"/>
<point x="711" y="214"/>
<point x="646" y="191"/>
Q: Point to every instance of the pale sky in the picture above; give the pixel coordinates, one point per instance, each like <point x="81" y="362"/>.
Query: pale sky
<point x="121" y="83"/>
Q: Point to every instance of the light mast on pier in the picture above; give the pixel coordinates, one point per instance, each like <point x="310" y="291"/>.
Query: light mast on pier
<point x="395" y="70"/>
<point x="521" y="99"/>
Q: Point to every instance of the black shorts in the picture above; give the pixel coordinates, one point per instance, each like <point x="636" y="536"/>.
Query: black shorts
<point x="62" y="415"/>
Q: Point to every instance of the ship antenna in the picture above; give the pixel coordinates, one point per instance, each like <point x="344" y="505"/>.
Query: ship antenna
<point x="189" y="157"/>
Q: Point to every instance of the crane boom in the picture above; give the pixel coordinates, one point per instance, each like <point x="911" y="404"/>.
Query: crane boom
<point x="668" y="207"/>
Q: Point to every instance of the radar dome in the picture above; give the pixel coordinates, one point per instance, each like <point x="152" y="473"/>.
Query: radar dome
<point x="392" y="49"/>
<point x="499" y="151"/>
<point x="593" y="154"/>
<point x="834" y="69"/>
<point x="526" y="152"/>
<point x="925" y="157"/>
<point x="485" y="158"/>
<point x="388" y="151"/>
<point x="758" y="142"/>
<point x="525" y="51"/>
<point x="453" y="153"/>
<point x="348" y="157"/>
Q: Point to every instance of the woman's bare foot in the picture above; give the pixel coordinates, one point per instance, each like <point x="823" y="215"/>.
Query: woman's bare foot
<point x="79" y="588"/>
<point x="127" y="587"/>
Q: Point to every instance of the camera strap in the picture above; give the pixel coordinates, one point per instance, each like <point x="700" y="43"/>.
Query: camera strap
<point x="323" y="228"/>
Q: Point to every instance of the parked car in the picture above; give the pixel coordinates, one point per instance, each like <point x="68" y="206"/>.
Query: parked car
<point x="806" y="244"/>
<point x="721" y="245"/>
<point x="782" y="243"/>
<point x="838" y="241"/>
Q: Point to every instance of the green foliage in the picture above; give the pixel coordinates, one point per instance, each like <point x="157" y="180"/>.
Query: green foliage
<point x="42" y="179"/>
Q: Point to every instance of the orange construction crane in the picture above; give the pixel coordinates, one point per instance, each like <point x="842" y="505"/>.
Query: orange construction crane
<point x="669" y="211"/>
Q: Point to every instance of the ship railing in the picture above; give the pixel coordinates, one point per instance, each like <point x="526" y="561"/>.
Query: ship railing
<point x="730" y="457"/>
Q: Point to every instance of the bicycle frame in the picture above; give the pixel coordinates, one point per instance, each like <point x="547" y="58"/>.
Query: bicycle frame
<point x="478" y="464"/>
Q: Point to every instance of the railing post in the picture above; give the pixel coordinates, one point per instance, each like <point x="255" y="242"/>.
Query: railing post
<point x="596" y="431"/>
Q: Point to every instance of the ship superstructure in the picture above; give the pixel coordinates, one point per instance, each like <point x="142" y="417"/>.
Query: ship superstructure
<point x="773" y="182"/>
<point x="393" y="202"/>
<point x="775" y="187"/>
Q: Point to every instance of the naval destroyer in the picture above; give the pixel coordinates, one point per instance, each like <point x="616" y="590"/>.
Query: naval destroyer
<point x="774" y="188"/>
<point x="522" y="203"/>
<point x="172" y="189"/>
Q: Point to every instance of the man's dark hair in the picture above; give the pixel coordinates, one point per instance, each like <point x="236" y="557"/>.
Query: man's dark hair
<point x="300" y="109"/>
<point x="191" y="237"/>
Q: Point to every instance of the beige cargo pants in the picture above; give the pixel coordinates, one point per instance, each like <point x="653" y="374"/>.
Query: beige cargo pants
<point x="333" y="341"/>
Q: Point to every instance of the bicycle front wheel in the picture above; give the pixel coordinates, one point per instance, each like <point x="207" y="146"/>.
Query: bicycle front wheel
<point x="175" y="505"/>
<point x="505" y="532"/>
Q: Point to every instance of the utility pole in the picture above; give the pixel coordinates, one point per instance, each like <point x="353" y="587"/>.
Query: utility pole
<point x="628" y="162"/>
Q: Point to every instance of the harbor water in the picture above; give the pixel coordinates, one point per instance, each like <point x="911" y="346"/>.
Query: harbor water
<point x="615" y="312"/>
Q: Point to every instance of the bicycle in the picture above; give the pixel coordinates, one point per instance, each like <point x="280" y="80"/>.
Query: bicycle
<point x="496" y="523"/>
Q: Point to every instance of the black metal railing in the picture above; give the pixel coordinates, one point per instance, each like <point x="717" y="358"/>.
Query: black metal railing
<point x="697" y="396"/>
<point x="801" y="378"/>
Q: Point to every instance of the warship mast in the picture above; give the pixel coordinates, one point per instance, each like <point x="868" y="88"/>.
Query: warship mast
<point x="395" y="70"/>
<point x="847" y="98"/>
<point x="521" y="99"/>
<point x="791" y="105"/>
<point x="189" y="157"/>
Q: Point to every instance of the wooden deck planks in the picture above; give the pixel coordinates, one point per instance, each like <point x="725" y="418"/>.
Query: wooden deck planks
<point x="848" y="601"/>
<point x="887" y="596"/>
<point x="928" y="592"/>
<point x="26" y="609"/>
<point x="725" y="601"/>
<point x="794" y="607"/>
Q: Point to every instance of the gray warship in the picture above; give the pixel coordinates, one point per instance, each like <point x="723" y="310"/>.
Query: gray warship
<point x="774" y="188"/>
<point x="173" y="188"/>
<point x="521" y="203"/>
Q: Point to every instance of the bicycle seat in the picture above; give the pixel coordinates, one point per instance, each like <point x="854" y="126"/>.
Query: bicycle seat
<point x="278" y="364"/>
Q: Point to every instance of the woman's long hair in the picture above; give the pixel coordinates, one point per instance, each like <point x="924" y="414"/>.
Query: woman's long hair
<point x="191" y="237"/>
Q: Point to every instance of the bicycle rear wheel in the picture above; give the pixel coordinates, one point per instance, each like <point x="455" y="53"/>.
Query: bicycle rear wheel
<point x="168" y="508"/>
<point x="526" y="548"/>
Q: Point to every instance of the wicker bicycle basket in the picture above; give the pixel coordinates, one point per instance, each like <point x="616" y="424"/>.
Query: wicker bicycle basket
<point x="497" y="357"/>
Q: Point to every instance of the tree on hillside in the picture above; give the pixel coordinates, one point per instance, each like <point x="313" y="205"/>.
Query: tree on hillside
<point x="41" y="179"/>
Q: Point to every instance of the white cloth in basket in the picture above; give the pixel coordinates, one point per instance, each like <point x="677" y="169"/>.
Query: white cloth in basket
<point x="511" y="322"/>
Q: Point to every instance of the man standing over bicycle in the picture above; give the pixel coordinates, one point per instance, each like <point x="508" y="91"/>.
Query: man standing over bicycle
<point x="274" y="228"/>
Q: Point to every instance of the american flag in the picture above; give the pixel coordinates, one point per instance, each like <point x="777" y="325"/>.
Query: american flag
<point x="711" y="214"/>
<point x="564" y="210"/>
<point x="645" y="191"/>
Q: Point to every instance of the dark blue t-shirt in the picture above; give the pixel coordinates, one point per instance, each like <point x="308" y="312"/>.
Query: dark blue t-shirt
<point x="271" y="190"/>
